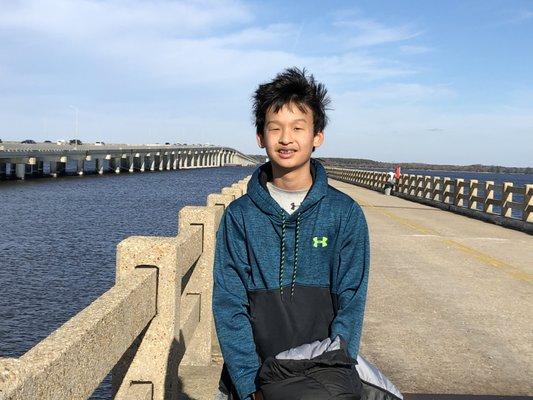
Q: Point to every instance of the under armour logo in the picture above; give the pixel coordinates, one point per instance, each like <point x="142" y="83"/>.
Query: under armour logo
<point x="323" y="241"/>
<point x="293" y="206"/>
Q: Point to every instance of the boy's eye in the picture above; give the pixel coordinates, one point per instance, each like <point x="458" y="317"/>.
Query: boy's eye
<point x="274" y="129"/>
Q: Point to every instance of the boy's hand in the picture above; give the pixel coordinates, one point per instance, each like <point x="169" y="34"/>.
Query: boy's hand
<point x="257" y="396"/>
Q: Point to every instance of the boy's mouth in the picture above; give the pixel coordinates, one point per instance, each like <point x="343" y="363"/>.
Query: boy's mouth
<point x="286" y="153"/>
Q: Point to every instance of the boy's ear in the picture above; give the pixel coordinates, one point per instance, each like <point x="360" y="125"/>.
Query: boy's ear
<point x="260" y="140"/>
<point x="318" y="139"/>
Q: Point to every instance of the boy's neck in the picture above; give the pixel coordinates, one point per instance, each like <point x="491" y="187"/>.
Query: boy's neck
<point x="296" y="179"/>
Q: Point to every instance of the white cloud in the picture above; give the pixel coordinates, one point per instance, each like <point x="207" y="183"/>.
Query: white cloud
<point x="92" y="18"/>
<point x="371" y="33"/>
<point x="398" y="93"/>
<point x="414" y="49"/>
<point x="519" y="17"/>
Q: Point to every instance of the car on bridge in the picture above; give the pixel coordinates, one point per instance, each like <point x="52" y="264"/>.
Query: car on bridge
<point x="75" y="141"/>
<point x="99" y="143"/>
<point x="28" y="141"/>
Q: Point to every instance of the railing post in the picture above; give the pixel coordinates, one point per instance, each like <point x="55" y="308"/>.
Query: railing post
<point x="418" y="185"/>
<point x="437" y="189"/>
<point x="427" y="187"/>
<point x="489" y="197"/>
<point x="446" y="192"/>
<point x="507" y="196"/>
<point x="459" y="192"/>
<point x="404" y="180"/>
<point x="198" y="351"/>
<point x="412" y="185"/>
<point x="527" y="211"/>
<point x="472" y="194"/>
<point x="155" y="355"/>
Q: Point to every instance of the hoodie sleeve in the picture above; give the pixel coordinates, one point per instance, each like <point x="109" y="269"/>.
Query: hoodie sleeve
<point x="230" y="306"/>
<point x="352" y="280"/>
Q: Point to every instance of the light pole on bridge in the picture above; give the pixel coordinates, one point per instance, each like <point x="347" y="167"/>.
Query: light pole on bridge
<point x="76" y="111"/>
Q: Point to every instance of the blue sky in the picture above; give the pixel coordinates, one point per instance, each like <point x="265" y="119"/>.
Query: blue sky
<point x="421" y="81"/>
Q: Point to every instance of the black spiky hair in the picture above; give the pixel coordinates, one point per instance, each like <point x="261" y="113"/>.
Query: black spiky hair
<point x="292" y="85"/>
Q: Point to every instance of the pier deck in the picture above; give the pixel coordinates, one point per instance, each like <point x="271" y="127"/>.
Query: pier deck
<point x="450" y="302"/>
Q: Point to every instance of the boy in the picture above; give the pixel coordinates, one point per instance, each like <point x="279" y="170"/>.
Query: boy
<point x="291" y="261"/>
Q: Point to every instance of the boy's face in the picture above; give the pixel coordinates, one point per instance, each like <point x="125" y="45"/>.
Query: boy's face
<point x="288" y="137"/>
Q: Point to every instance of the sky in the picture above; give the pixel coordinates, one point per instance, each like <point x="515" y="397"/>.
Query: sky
<point x="443" y="82"/>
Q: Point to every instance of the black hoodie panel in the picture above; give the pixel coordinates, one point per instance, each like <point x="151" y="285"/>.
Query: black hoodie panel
<point x="331" y="375"/>
<point x="284" y="323"/>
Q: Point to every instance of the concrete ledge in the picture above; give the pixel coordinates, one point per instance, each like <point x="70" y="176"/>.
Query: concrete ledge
<point x="476" y="214"/>
<point x="69" y="364"/>
<point x="218" y="199"/>
<point x="233" y="191"/>
<point x="190" y="246"/>
<point x="506" y="222"/>
<point x="190" y="316"/>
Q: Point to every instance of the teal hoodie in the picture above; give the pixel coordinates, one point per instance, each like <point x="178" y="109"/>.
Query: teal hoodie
<point x="282" y="280"/>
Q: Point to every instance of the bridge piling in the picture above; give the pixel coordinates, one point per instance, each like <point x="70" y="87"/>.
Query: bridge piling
<point x="80" y="164"/>
<point x="20" y="171"/>
<point x="99" y="166"/>
<point x="3" y="171"/>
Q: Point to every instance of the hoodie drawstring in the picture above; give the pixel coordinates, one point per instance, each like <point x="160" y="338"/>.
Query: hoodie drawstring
<point x="295" y="267"/>
<point x="282" y="263"/>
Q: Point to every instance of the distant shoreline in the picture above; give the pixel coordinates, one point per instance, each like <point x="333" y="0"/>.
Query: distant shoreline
<point x="371" y="164"/>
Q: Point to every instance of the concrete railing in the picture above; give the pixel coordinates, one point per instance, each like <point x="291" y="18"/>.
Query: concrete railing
<point x="155" y="318"/>
<point x="457" y="195"/>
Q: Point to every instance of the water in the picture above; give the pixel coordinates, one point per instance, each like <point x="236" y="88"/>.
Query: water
<point x="58" y="240"/>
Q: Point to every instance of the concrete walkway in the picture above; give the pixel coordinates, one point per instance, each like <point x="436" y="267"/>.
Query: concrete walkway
<point x="450" y="302"/>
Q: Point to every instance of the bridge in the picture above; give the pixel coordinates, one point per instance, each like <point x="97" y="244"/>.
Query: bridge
<point x="448" y="312"/>
<point x="21" y="161"/>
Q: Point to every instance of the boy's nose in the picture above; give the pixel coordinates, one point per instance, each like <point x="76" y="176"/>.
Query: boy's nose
<point x="284" y="138"/>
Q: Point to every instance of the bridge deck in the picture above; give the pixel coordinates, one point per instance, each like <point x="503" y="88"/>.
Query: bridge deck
<point x="450" y="302"/>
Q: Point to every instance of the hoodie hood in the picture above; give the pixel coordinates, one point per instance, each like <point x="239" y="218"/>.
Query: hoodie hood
<point x="258" y="192"/>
